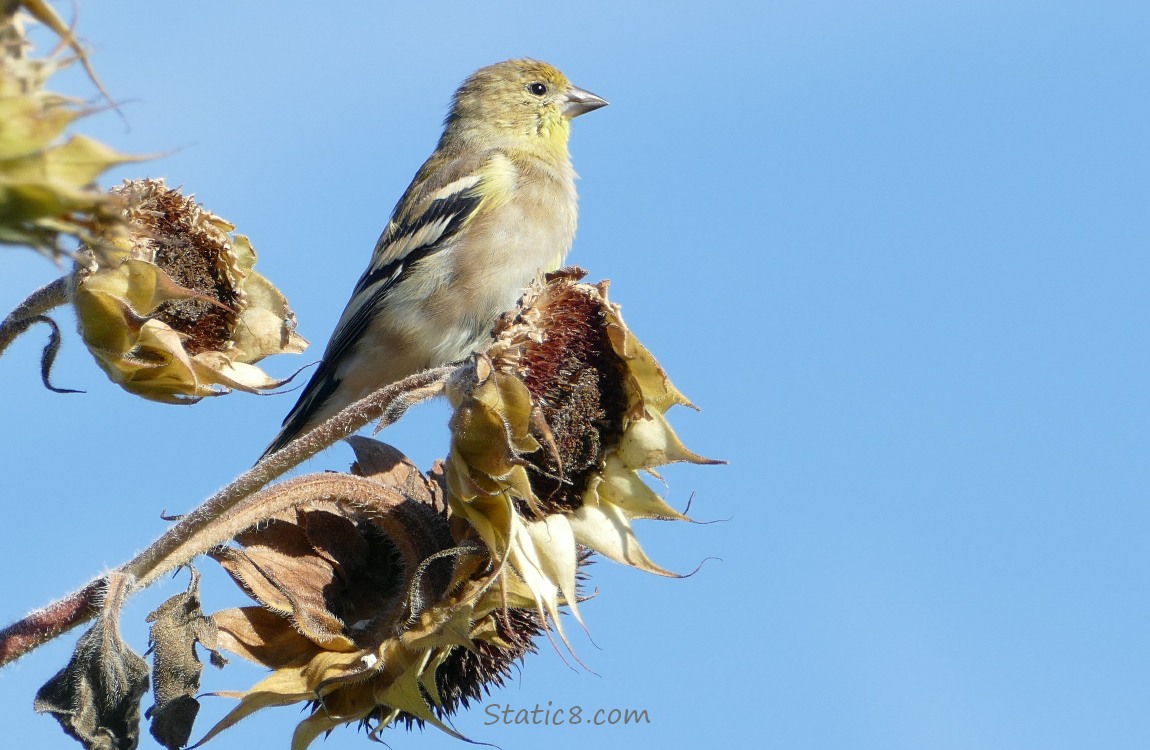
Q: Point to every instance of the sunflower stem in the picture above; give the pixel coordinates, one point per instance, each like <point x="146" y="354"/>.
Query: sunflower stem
<point x="47" y="297"/>
<point x="192" y="536"/>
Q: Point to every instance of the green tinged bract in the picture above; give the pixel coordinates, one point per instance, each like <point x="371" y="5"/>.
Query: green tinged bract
<point x="47" y="188"/>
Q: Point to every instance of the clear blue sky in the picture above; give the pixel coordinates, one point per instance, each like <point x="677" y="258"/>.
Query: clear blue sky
<point x="898" y="252"/>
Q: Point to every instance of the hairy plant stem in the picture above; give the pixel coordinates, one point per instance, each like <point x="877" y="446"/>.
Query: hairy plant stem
<point x="201" y="529"/>
<point x="29" y="311"/>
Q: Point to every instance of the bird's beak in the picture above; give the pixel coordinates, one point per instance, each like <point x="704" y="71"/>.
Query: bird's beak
<point x="580" y="102"/>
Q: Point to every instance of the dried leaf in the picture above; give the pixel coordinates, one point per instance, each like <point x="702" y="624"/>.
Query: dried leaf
<point x="96" y="698"/>
<point x="177" y="626"/>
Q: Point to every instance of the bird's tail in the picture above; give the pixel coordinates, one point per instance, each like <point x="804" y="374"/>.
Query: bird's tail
<point x="310" y="410"/>
<point x="287" y="433"/>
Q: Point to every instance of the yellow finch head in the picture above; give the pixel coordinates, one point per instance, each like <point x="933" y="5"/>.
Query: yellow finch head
<point x="525" y="103"/>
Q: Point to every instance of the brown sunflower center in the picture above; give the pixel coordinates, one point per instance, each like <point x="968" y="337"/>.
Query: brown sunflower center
<point x="193" y="258"/>
<point x="576" y="379"/>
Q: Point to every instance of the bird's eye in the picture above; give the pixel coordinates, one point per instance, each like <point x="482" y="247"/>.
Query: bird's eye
<point x="539" y="89"/>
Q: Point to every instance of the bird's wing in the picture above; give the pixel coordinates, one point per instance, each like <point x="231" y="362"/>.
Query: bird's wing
<point x="432" y="212"/>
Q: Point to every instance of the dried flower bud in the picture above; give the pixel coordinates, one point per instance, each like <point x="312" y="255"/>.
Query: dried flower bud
<point x="172" y="310"/>
<point x="96" y="697"/>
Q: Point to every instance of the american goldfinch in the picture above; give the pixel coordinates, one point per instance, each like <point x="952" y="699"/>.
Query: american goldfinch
<point x="491" y="208"/>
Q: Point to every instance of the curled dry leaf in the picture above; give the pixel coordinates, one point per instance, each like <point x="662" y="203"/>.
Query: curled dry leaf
<point x="173" y="310"/>
<point x="177" y="626"/>
<point x="96" y="697"/>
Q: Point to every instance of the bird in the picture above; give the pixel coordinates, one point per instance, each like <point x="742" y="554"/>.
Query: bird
<point x="493" y="207"/>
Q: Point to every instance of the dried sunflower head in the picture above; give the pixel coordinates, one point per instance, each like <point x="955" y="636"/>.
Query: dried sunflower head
<point x="550" y="433"/>
<point x="172" y="309"/>
<point x="367" y="604"/>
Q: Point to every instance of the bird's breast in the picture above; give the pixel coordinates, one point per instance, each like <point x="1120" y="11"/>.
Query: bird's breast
<point x="499" y="255"/>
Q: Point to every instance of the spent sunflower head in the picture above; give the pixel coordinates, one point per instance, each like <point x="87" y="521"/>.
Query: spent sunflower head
<point x="552" y="431"/>
<point x="368" y="607"/>
<point x="172" y="309"/>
